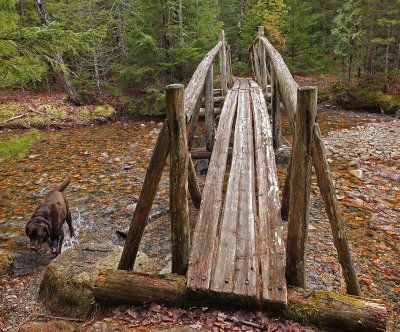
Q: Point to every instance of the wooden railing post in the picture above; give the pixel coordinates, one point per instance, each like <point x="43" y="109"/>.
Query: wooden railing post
<point x="276" y="110"/>
<point x="179" y="155"/>
<point x="209" y="109"/>
<point x="222" y="59"/>
<point x="300" y="183"/>
<point x="229" y="67"/>
<point x="263" y="62"/>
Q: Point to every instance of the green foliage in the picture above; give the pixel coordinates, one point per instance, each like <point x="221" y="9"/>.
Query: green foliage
<point x="104" y="111"/>
<point x="18" y="147"/>
<point x="241" y="69"/>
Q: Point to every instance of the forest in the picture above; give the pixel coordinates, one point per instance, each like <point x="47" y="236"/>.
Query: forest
<point x="200" y="165"/>
<point x="134" y="49"/>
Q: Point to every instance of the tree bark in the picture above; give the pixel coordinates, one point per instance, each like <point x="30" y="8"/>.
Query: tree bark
<point x="180" y="231"/>
<point x="327" y="310"/>
<point x="300" y="183"/>
<point x="62" y="73"/>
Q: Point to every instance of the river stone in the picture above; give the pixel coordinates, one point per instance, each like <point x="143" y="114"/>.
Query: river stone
<point x="67" y="284"/>
<point x="6" y="262"/>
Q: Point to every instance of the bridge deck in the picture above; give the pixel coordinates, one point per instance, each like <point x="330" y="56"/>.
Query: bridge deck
<point x="237" y="244"/>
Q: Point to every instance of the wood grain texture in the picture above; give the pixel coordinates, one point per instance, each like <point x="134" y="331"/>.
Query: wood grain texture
<point x="300" y="183"/>
<point x="180" y="231"/>
<point x="222" y="62"/>
<point x="270" y="242"/>
<point x="204" y="238"/>
<point x="235" y="268"/>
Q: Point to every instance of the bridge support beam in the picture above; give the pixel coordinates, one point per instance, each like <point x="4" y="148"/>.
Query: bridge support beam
<point x="328" y="310"/>
<point x="179" y="155"/>
<point x="300" y="183"/>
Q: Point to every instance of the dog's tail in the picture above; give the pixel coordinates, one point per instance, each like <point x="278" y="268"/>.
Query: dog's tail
<point x="63" y="185"/>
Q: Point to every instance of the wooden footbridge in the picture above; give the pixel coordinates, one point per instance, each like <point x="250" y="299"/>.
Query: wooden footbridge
<point x="237" y="256"/>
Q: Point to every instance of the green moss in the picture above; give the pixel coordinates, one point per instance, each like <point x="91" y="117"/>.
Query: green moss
<point x="85" y="112"/>
<point x="18" y="147"/>
<point x="104" y="111"/>
<point x="8" y="111"/>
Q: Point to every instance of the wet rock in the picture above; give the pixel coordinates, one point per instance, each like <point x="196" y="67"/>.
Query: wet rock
<point x="6" y="262"/>
<point x="51" y="326"/>
<point x="67" y="284"/>
<point x="358" y="173"/>
<point x="354" y="163"/>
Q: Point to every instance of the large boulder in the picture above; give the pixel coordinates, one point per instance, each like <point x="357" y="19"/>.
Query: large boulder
<point x="6" y="262"/>
<point x="67" y="284"/>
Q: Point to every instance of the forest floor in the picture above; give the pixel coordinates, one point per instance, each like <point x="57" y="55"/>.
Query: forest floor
<point x="45" y="110"/>
<point x="365" y="162"/>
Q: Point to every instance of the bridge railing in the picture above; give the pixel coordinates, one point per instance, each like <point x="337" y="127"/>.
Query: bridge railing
<point x="300" y="105"/>
<point x="183" y="109"/>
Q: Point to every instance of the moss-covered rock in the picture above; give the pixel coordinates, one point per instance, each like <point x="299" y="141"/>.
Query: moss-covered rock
<point x="6" y="262"/>
<point x="67" y="284"/>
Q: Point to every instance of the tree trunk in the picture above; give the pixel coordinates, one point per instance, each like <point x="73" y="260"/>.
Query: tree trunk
<point x="239" y="26"/>
<point x="62" y="73"/>
<point x="386" y="86"/>
<point x="328" y="310"/>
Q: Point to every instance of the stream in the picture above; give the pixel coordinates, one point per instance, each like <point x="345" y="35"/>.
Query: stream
<point x="107" y="165"/>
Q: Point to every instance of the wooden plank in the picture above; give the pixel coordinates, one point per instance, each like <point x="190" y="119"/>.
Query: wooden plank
<point x="244" y="84"/>
<point x="205" y="234"/>
<point x="300" y="183"/>
<point x="179" y="210"/>
<point x="235" y="267"/>
<point x="276" y="111"/>
<point x="147" y="194"/>
<point x="195" y="87"/>
<point x="270" y="243"/>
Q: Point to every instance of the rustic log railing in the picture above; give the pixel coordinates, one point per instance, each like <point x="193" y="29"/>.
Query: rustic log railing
<point x="183" y="108"/>
<point x="300" y="106"/>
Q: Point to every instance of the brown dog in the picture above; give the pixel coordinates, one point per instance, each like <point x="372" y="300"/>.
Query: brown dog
<point x="46" y="224"/>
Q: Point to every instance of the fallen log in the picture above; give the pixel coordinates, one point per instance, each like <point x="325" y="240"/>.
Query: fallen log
<point x="218" y="101"/>
<point x="200" y="153"/>
<point x="17" y="117"/>
<point x="328" y="310"/>
<point x="41" y="113"/>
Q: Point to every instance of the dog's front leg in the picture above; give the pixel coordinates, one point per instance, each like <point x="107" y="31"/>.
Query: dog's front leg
<point x="60" y="241"/>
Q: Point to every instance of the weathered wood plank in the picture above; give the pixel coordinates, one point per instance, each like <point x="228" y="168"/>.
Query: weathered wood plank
<point x="270" y="242"/>
<point x="300" y="183"/>
<point x="146" y="197"/>
<point x="204" y="238"/>
<point x="195" y="87"/>
<point x="235" y="267"/>
<point x="180" y="231"/>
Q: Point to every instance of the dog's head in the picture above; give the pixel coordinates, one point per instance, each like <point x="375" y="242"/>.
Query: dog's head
<point x="38" y="233"/>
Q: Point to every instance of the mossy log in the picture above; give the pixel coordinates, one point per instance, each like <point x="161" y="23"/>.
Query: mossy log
<point x="328" y="310"/>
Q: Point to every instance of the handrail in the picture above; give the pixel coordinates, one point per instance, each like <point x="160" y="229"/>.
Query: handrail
<point x="287" y="85"/>
<point x="307" y="144"/>
<point x="195" y="87"/>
